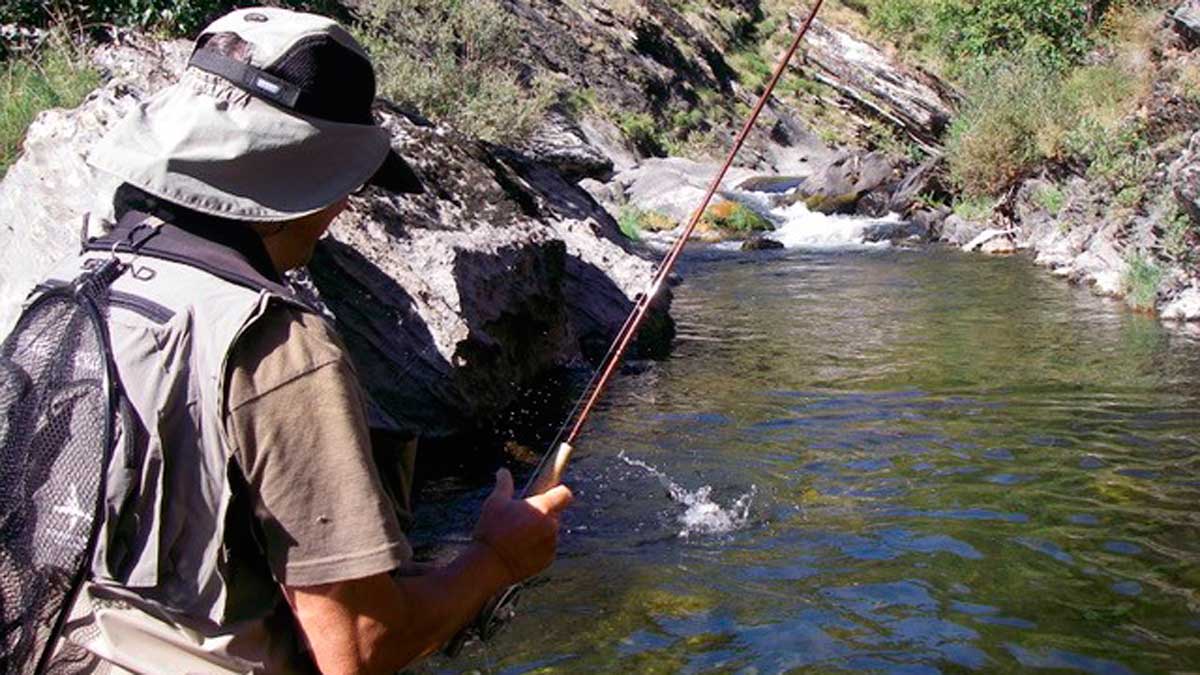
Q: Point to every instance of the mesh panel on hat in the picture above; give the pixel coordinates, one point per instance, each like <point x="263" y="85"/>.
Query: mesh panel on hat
<point x="336" y="83"/>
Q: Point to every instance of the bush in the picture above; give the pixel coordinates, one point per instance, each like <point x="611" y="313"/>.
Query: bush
<point x="959" y="31"/>
<point x="633" y="221"/>
<point x="457" y="62"/>
<point x="56" y="76"/>
<point x="177" y="17"/>
<point x="1051" y="198"/>
<point x="1141" y="280"/>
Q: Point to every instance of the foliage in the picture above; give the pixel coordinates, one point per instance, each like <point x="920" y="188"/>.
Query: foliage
<point x="1140" y="280"/>
<point x="1051" y="198"/>
<point x="1179" y="237"/>
<point x="974" y="208"/>
<point x="642" y="131"/>
<point x="733" y="216"/>
<point x="1000" y="136"/>
<point x="58" y="75"/>
<point x="960" y="31"/>
<point x="457" y="62"/>
<point x="633" y="221"/>
<point x="177" y="17"/>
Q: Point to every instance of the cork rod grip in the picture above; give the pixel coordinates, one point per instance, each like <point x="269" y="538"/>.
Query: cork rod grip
<point x="552" y="473"/>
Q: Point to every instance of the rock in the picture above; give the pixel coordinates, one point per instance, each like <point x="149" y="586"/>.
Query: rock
<point x="451" y="302"/>
<point x="925" y="179"/>
<point x="991" y="240"/>
<point x="899" y="230"/>
<point x="913" y="101"/>
<point x="761" y="243"/>
<point x="1186" y="22"/>
<point x="674" y="186"/>
<point x="1185" y="178"/>
<point x="957" y="230"/>
<point x="840" y="185"/>
<point x="562" y="144"/>
<point x="929" y="221"/>
<point x="1185" y="307"/>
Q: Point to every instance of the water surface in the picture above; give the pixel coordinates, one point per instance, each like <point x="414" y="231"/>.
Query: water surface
<point x="926" y="462"/>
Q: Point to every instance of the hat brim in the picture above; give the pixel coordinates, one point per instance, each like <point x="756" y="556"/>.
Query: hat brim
<point x="395" y="175"/>
<point x="223" y="153"/>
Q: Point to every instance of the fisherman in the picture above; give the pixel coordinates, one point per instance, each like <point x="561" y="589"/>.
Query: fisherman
<point x="247" y="528"/>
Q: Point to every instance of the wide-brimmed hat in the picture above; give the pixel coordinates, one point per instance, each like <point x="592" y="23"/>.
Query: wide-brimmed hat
<point x="271" y="121"/>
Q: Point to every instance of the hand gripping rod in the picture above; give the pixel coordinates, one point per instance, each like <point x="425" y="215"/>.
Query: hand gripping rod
<point x="553" y="465"/>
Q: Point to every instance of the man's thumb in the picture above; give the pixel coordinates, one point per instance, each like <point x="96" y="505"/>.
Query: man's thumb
<point x="504" y="485"/>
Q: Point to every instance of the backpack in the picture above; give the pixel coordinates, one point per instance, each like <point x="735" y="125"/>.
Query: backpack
<point x="59" y="415"/>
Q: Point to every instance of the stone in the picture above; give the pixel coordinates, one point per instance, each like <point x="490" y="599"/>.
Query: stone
<point x="991" y="240"/>
<point x="894" y="231"/>
<point x="761" y="243"/>
<point x="914" y="102"/>
<point x="1183" y="308"/>
<point x="451" y="302"/>
<point x="927" y="178"/>
<point x="1185" y="178"/>
<point x="1186" y="22"/>
<point x="957" y="230"/>
<point x="562" y="144"/>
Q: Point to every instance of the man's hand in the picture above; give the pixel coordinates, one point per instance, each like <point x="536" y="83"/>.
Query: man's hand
<point x="522" y="533"/>
<point x="380" y="624"/>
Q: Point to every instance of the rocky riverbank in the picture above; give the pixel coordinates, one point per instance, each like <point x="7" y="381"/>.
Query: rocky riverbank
<point x="452" y="302"/>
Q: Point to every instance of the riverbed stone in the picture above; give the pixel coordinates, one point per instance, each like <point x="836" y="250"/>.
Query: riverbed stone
<point x="761" y="243"/>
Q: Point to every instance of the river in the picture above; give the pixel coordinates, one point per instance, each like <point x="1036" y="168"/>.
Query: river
<point x="878" y="459"/>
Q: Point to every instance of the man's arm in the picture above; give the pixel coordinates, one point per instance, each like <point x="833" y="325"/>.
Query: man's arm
<point x="379" y="624"/>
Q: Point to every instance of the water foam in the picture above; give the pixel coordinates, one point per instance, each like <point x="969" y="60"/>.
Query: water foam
<point x="803" y="228"/>
<point x="702" y="515"/>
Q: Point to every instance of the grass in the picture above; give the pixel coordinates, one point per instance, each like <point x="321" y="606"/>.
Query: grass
<point x="1051" y="198"/>
<point x="456" y="62"/>
<point x="974" y="208"/>
<point x="1141" y="280"/>
<point x="634" y="221"/>
<point x="57" y="76"/>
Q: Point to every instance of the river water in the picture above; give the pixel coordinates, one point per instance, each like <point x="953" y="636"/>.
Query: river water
<point x="879" y="460"/>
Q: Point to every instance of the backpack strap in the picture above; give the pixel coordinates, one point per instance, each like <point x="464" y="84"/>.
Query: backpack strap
<point x="234" y="254"/>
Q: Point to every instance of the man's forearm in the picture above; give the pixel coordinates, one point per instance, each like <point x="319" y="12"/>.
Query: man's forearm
<point x="380" y="624"/>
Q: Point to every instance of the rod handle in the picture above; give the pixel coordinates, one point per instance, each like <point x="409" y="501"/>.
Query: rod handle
<point x="552" y="473"/>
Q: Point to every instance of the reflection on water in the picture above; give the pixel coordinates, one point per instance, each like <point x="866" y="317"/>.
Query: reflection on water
<point x="958" y="464"/>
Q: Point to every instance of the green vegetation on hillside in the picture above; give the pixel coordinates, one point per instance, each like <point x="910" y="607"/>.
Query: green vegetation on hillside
<point x="56" y="75"/>
<point x="457" y="62"/>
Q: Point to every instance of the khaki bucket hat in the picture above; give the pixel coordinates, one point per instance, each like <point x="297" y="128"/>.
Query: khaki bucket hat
<point x="270" y="121"/>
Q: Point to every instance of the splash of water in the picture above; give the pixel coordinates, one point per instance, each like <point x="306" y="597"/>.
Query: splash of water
<point x="702" y="515"/>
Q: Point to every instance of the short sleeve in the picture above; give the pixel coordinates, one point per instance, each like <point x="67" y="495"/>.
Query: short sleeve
<point x="296" y="418"/>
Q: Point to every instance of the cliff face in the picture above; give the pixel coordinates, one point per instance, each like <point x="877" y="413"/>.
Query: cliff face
<point x="452" y="302"/>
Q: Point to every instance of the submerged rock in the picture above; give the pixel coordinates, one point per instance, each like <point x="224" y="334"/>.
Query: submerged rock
<point x="761" y="243"/>
<point x="451" y="302"/>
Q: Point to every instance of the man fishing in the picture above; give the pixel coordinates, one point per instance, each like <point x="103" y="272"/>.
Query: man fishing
<point x="246" y="526"/>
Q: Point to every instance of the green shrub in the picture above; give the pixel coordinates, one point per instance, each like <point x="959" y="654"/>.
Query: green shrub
<point x="1179" y="237"/>
<point x="56" y="76"/>
<point x="634" y="221"/>
<point x="960" y="31"/>
<point x="641" y="130"/>
<point x="1141" y="280"/>
<point x="177" y="17"/>
<point x="974" y="208"/>
<point x="1051" y="198"/>
<point x="457" y="62"/>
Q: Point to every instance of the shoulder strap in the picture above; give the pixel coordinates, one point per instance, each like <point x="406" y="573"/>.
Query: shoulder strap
<point x="235" y="256"/>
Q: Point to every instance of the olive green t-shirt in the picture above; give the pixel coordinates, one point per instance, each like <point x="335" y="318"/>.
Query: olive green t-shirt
<point x="297" y="421"/>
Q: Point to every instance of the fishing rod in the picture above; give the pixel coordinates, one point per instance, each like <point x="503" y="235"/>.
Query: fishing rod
<point x="553" y="465"/>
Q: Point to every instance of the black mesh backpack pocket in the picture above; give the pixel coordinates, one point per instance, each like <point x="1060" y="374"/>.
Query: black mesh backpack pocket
<point x="57" y="412"/>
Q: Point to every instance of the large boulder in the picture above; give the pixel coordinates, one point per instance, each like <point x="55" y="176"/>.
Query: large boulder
<point x="1186" y="22"/>
<point x="451" y="302"/>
